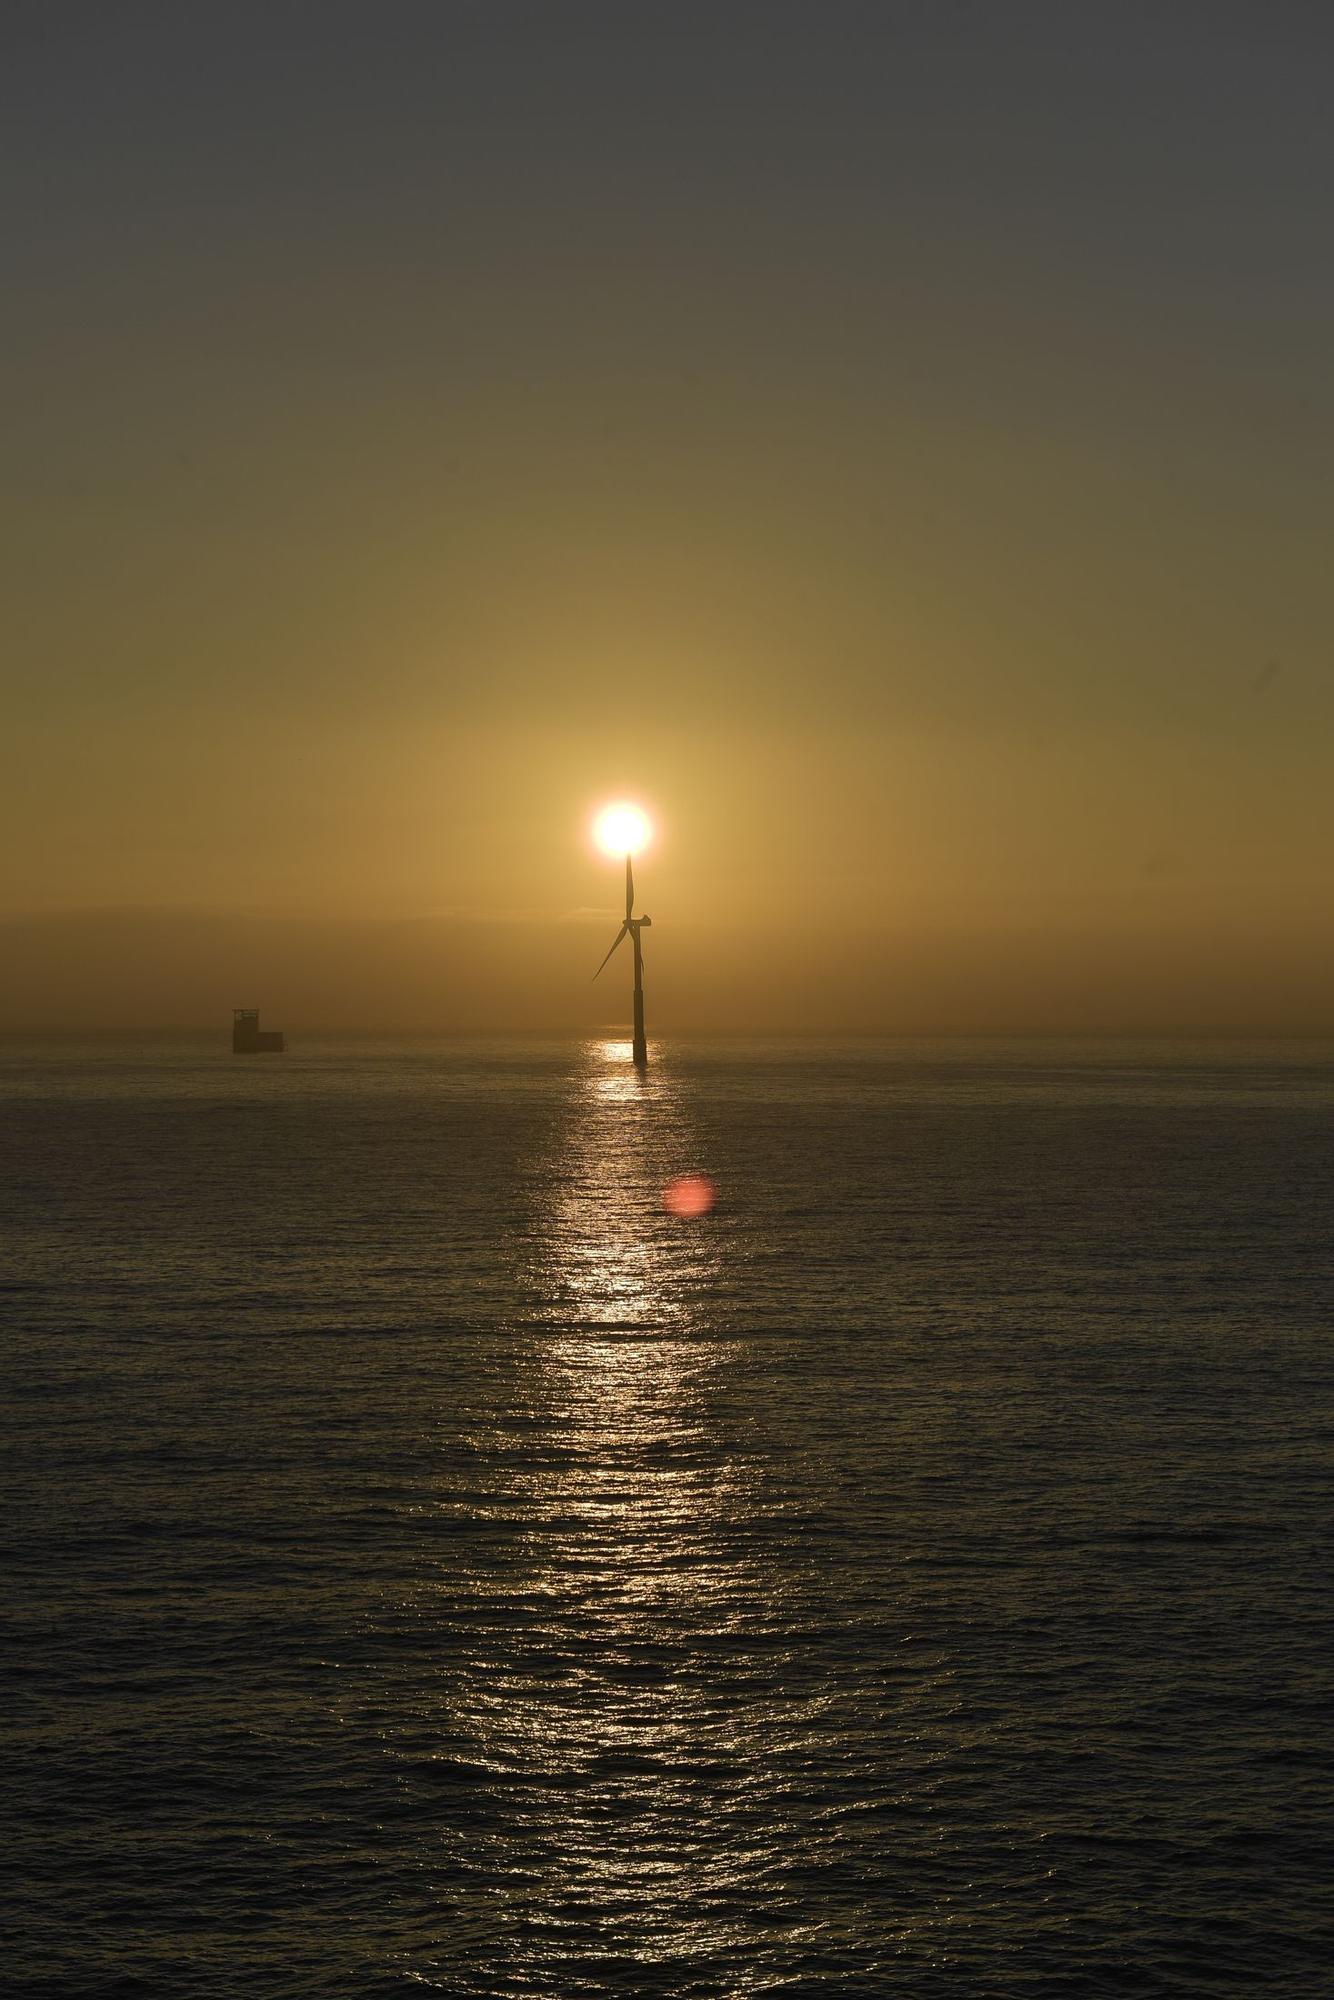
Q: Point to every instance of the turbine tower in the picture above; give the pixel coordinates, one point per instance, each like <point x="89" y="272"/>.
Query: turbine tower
<point x="631" y="928"/>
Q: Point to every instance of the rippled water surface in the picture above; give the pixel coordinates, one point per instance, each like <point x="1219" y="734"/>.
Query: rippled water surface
<point x="433" y="1565"/>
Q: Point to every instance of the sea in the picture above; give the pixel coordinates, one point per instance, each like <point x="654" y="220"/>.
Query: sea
<point x="434" y="1563"/>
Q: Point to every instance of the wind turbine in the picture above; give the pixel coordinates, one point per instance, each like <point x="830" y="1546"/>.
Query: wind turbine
<point x="623" y="829"/>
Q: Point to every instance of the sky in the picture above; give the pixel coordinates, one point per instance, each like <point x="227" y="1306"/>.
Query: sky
<point x="889" y="440"/>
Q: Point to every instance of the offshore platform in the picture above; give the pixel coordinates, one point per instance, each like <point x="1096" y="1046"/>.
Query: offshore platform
<point x="247" y="1040"/>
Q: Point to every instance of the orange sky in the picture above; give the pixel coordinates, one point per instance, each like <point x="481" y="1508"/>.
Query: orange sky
<point x="898" y="458"/>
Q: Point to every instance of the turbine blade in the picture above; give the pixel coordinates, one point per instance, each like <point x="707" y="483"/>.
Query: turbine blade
<point x="622" y="932"/>
<point x="629" y="889"/>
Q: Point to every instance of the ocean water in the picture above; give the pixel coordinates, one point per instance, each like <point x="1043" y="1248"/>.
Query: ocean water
<point x="431" y="1566"/>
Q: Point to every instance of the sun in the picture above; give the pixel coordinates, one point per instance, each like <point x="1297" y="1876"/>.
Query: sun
<point x="622" y="829"/>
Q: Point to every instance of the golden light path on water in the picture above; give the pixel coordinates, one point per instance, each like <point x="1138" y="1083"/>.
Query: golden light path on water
<point x="629" y="1723"/>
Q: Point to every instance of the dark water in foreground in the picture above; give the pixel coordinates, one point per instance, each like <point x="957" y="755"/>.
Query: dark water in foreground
<point x="435" y="1567"/>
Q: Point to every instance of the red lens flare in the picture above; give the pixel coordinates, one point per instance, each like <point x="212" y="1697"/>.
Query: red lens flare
<point x="689" y="1195"/>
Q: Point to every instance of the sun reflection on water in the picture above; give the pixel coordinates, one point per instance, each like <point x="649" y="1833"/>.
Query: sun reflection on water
<point x="605" y="1730"/>
<point x="608" y="1259"/>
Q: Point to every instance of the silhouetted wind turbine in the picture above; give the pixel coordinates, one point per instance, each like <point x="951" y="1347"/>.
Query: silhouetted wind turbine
<point x="631" y="928"/>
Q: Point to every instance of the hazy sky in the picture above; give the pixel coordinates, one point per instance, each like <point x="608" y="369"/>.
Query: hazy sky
<point x="891" y="440"/>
